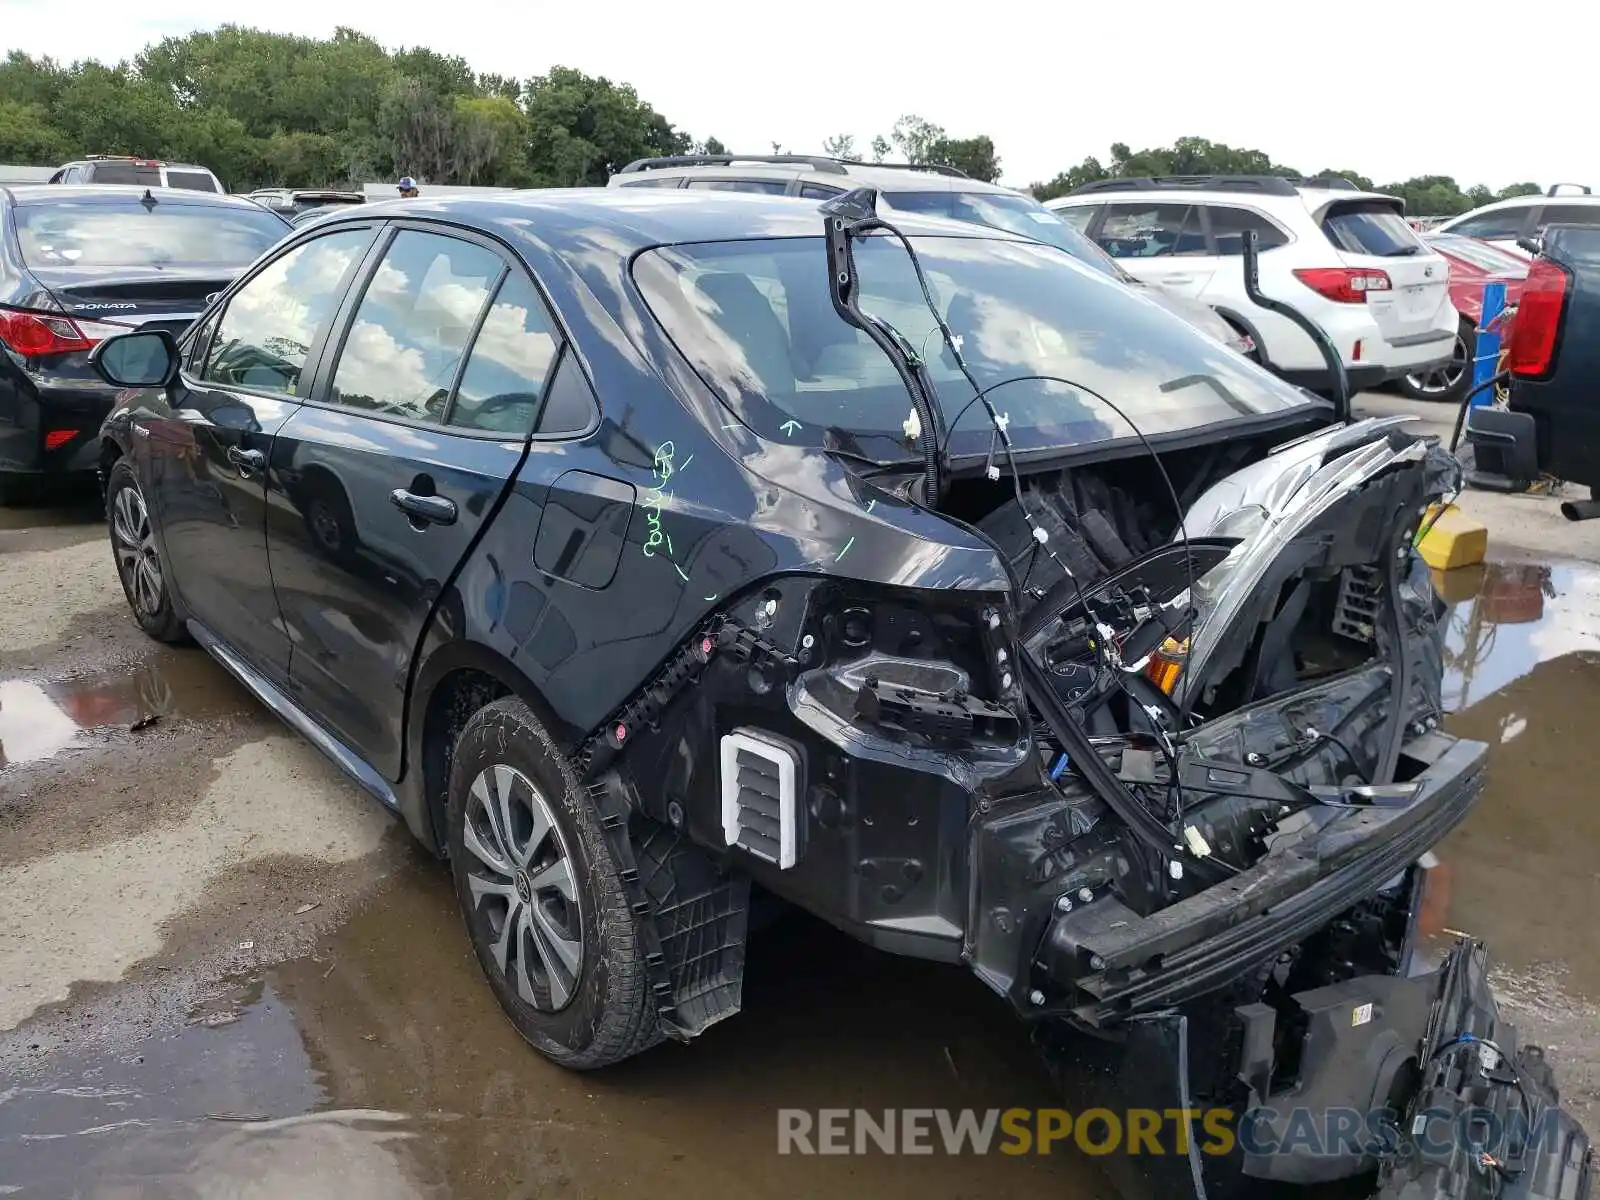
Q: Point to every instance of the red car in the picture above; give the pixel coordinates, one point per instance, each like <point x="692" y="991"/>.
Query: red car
<point x="1472" y="264"/>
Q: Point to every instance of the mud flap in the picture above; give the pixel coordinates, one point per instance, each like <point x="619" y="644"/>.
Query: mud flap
<point x="690" y="917"/>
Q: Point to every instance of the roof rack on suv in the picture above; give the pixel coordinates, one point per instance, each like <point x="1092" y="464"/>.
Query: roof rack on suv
<point x="817" y="162"/>
<point x="830" y="165"/>
<point x="1555" y="189"/>
<point x="1270" y="185"/>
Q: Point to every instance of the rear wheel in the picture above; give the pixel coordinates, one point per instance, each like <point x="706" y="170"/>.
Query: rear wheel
<point x="1448" y="382"/>
<point x="541" y="894"/>
<point x="138" y="559"/>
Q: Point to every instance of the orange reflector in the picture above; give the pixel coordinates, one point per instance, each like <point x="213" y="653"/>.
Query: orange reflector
<point x="1166" y="664"/>
<point x="57" y="438"/>
<point x="1433" y="903"/>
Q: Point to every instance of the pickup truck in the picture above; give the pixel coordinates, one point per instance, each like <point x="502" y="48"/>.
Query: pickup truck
<point x="1552" y="423"/>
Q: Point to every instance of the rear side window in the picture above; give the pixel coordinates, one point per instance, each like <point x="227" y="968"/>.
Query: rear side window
<point x="125" y="173"/>
<point x="1150" y="230"/>
<point x="1502" y="223"/>
<point x="509" y="364"/>
<point x="819" y="191"/>
<point x="122" y="231"/>
<point x="770" y="187"/>
<point x="1079" y="216"/>
<point x="410" y="333"/>
<point x="1229" y="225"/>
<point x="1570" y="214"/>
<point x="192" y="181"/>
<point x="1370" y="227"/>
<point x="272" y="322"/>
<point x="671" y="182"/>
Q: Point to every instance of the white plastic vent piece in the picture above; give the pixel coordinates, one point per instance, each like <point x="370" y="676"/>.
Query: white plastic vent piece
<point x="758" y="796"/>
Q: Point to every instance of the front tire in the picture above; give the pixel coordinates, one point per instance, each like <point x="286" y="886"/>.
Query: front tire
<point x="138" y="559"/>
<point x="1446" y="384"/>
<point x="541" y="895"/>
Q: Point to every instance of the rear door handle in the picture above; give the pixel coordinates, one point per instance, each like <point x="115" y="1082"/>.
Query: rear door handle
<point x="246" y="460"/>
<point x="436" y="510"/>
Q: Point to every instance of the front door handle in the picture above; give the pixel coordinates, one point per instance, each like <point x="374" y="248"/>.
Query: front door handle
<point x="436" y="510"/>
<point x="246" y="460"/>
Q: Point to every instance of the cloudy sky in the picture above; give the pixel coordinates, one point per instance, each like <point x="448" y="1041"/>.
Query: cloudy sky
<point x="1383" y="88"/>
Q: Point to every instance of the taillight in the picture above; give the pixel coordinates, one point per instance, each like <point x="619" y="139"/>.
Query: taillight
<point x="1344" y="285"/>
<point x="1533" y="335"/>
<point x="35" y="334"/>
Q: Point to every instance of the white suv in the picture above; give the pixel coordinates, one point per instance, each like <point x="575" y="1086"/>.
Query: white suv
<point x="1505" y="221"/>
<point x="1343" y="257"/>
<point x="929" y="190"/>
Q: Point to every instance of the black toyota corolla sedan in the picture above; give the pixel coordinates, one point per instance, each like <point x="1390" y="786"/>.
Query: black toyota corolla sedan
<point x="642" y="549"/>
<point x="78" y="264"/>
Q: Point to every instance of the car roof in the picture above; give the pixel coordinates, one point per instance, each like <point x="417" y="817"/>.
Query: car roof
<point x="636" y="219"/>
<point x="129" y="158"/>
<point x="24" y="194"/>
<point x="843" y="173"/>
<point x="1313" y="199"/>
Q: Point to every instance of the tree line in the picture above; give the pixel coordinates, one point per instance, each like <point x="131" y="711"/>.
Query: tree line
<point x="266" y="109"/>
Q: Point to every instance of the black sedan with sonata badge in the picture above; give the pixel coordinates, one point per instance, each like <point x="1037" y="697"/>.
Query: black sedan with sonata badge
<point x="79" y="264"/>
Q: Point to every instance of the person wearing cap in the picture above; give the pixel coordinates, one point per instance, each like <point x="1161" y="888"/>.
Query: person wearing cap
<point x="408" y="188"/>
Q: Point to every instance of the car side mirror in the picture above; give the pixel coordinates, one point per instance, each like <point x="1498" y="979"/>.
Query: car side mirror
<point x="144" y="358"/>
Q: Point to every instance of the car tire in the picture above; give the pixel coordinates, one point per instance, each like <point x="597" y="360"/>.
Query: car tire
<point x="541" y="895"/>
<point x="138" y="558"/>
<point x="1448" y="384"/>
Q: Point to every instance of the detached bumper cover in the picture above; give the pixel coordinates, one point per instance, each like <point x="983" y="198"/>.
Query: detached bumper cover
<point x="1116" y="964"/>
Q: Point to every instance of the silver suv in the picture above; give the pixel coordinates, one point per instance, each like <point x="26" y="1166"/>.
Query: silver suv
<point x="927" y="190"/>
<point x="139" y="172"/>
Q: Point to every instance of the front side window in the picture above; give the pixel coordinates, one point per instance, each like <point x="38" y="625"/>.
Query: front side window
<point x="509" y="364"/>
<point x="411" y="330"/>
<point x="1148" y="230"/>
<point x="1501" y="223"/>
<point x="271" y="323"/>
<point x="757" y="321"/>
<point x="1078" y="215"/>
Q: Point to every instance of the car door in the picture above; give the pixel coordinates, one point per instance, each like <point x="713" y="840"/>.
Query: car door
<point x="1162" y="243"/>
<point x="414" y="428"/>
<point x="207" y="461"/>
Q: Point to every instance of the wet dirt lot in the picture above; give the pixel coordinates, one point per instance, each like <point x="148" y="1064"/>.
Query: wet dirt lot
<point x="224" y="972"/>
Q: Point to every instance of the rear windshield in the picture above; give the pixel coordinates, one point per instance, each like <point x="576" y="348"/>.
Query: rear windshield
<point x="128" y="233"/>
<point x="1370" y="227"/>
<point x="108" y="172"/>
<point x="1014" y="214"/>
<point x="756" y="319"/>
<point x="194" y="181"/>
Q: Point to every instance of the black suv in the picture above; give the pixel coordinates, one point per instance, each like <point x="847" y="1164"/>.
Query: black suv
<point x="641" y="548"/>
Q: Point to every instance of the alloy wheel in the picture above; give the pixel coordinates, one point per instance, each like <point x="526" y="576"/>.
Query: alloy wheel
<point x="137" y="561"/>
<point x="1445" y="378"/>
<point x="524" y="892"/>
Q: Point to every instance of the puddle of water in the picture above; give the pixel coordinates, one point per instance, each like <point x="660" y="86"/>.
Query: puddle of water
<point x="415" y="1085"/>
<point x="41" y="718"/>
<point x="1505" y="618"/>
